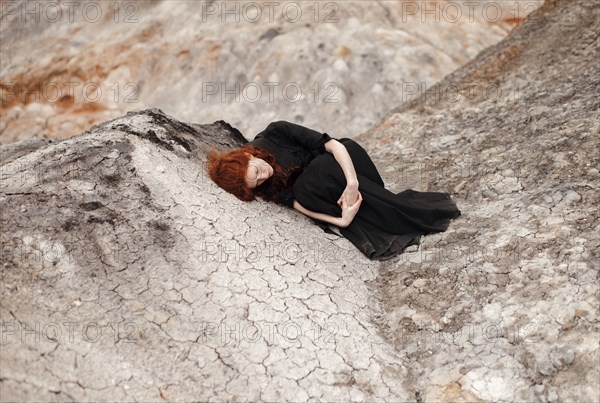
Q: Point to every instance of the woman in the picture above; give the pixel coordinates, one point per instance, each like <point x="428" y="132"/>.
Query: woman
<point x="326" y="179"/>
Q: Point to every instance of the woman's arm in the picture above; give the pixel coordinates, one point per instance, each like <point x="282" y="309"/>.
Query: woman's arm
<point x="319" y="216"/>
<point x="343" y="158"/>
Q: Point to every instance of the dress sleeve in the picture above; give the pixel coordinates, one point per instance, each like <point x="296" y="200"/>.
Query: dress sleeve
<point x="301" y="136"/>
<point x="287" y="198"/>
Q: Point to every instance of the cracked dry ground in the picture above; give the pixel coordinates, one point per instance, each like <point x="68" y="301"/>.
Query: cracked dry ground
<point x="127" y="275"/>
<point x="143" y="282"/>
<point x="505" y="305"/>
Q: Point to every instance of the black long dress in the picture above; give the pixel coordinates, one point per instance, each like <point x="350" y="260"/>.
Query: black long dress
<point x="386" y="223"/>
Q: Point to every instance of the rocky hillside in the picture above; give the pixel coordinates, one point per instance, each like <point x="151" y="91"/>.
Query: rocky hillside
<point x="127" y="275"/>
<point x="336" y="65"/>
<point x="504" y="306"/>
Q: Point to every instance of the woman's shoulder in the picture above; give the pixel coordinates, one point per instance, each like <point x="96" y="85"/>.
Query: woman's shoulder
<point x="278" y="123"/>
<point x="273" y="128"/>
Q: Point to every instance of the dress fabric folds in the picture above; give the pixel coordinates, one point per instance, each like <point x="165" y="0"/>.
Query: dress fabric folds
<point x="386" y="223"/>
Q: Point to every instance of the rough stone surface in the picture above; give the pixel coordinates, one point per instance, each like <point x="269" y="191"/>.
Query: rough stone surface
<point x="341" y="64"/>
<point x="127" y="274"/>
<point x="505" y="305"/>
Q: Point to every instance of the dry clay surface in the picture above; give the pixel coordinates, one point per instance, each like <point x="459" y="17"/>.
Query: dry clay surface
<point x="127" y="275"/>
<point x="505" y="305"/>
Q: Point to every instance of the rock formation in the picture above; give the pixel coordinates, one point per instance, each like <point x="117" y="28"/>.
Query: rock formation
<point x="128" y="275"/>
<point x="339" y="64"/>
<point x="505" y="306"/>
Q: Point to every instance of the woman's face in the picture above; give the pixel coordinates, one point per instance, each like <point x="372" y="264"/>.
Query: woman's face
<point x="258" y="171"/>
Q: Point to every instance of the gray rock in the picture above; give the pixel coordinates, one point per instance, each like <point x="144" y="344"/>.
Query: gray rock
<point x="523" y="180"/>
<point x="349" y="61"/>
<point x="130" y="276"/>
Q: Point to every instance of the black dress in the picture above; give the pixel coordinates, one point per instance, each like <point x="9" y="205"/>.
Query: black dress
<point x="386" y="223"/>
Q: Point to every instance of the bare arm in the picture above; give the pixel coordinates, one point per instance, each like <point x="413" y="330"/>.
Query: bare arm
<point x="319" y="216"/>
<point x="343" y="158"/>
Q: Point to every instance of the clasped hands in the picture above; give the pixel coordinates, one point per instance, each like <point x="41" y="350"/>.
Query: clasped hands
<point x="349" y="201"/>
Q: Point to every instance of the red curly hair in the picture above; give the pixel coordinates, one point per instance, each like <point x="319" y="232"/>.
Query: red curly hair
<point x="228" y="170"/>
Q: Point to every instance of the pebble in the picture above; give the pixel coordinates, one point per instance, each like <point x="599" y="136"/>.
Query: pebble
<point x="572" y="197"/>
<point x="557" y="197"/>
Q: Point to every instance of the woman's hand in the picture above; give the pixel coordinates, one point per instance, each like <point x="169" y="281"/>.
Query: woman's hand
<point x="350" y="193"/>
<point x="349" y="211"/>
